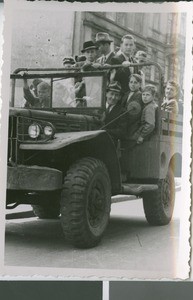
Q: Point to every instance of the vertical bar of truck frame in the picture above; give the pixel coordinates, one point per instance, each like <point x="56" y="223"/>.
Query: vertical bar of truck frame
<point x="12" y="91"/>
<point x="51" y="92"/>
<point x="160" y="98"/>
<point x="105" y="290"/>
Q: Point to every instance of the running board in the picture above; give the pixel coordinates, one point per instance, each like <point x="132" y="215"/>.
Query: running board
<point x="137" y="189"/>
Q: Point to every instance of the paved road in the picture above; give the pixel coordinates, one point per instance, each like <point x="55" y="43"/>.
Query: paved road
<point x="129" y="243"/>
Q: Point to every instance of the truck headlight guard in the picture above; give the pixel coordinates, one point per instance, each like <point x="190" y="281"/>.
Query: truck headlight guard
<point x="34" y="130"/>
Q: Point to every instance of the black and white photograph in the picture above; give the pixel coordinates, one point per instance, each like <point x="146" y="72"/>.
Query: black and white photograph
<point x="96" y="140"/>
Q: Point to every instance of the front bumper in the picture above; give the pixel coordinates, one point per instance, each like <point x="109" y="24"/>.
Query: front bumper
<point x="33" y="178"/>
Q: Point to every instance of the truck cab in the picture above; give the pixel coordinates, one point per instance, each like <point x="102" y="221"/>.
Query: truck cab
<point x="63" y="162"/>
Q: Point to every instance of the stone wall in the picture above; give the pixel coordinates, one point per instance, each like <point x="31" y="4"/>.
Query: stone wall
<point x="40" y="39"/>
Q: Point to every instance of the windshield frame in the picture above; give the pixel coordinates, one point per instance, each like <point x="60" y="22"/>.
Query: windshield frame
<point x="54" y="74"/>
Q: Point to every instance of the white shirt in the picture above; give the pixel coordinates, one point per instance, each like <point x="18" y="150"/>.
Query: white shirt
<point x="104" y="58"/>
<point x="109" y="107"/>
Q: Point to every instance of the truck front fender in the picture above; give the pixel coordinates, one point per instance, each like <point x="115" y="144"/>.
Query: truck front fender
<point x="62" y="140"/>
<point x="96" y="144"/>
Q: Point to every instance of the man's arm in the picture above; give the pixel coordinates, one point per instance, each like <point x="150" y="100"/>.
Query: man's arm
<point x="120" y="126"/>
<point x="29" y="97"/>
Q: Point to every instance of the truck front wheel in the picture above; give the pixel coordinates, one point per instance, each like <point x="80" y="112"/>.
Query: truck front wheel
<point x="85" y="202"/>
<point x="159" y="205"/>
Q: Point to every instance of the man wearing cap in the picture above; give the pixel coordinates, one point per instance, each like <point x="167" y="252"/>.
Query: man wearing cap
<point x="68" y="62"/>
<point x="80" y="60"/>
<point x="103" y="41"/>
<point x="116" y="128"/>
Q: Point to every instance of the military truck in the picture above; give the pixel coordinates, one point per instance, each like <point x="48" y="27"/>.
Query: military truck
<point x="63" y="162"/>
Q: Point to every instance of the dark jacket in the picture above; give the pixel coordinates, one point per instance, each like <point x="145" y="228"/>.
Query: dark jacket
<point x="122" y="74"/>
<point x="134" y="106"/>
<point x="108" y="61"/>
<point x="136" y="96"/>
<point x="116" y="129"/>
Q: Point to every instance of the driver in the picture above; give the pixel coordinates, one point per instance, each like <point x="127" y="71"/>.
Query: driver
<point x="114" y="109"/>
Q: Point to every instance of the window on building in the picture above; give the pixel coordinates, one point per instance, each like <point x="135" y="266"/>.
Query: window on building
<point x="172" y="68"/>
<point x="166" y="75"/>
<point x="175" y="22"/>
<point x="169" y="28"/>
<point x="156" y="22"/>
<point x="121" y="19"/>
<point x="130" y="21"/>
<point x="103" y="13"/>
<point x="111" y="15"/>
<point x="139" y="20"/>
<point x="153" y="69"/>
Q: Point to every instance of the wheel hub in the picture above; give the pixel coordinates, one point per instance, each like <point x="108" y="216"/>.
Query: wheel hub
<point x="96" y="204"/>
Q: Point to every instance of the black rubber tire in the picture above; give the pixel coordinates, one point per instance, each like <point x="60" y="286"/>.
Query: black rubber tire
<point x="159" y="205"/>
<point x="85" y="202"/>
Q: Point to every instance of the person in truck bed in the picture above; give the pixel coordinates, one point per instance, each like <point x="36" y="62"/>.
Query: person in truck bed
<point x="68" y="62"/>
<point x="114" y="109"/>
<point x="147" y="124"/>
<point x="132" y="102"/>
<point x="90" y="50"/>
<point x="33" y="90"/>
<point x="141" y="57"/>
<point x="170" y="101"/>
<point x="43" y="98"/>
<point x="125" y="56"/>
<point x="103" y="42"/>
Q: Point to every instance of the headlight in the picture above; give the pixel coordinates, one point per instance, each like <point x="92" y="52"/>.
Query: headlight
<point x="48" y="130"/>
<point x="34" y="131"/>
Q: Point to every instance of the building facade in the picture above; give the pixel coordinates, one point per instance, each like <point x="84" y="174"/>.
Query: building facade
<point x="43" y="38"/>
<point x="161" y="35"/>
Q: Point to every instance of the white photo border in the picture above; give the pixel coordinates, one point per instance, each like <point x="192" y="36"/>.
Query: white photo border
<point x="183" y="267"/>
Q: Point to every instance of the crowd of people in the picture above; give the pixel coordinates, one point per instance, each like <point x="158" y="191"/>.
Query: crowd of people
<point x="127" y="95"/>
<point x="130" y="102"/>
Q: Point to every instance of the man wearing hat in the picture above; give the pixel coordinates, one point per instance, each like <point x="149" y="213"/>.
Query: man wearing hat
<point x="103" y="41"/>
<point x="90" y="52"/>
<point x="116" y="128"/>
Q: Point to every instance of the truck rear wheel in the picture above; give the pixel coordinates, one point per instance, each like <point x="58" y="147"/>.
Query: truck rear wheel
<point x="85" y="202"/>
<point x="159" y="205"/>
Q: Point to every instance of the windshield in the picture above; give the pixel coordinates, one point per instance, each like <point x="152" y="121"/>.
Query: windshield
<point x="72" y="92"/>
